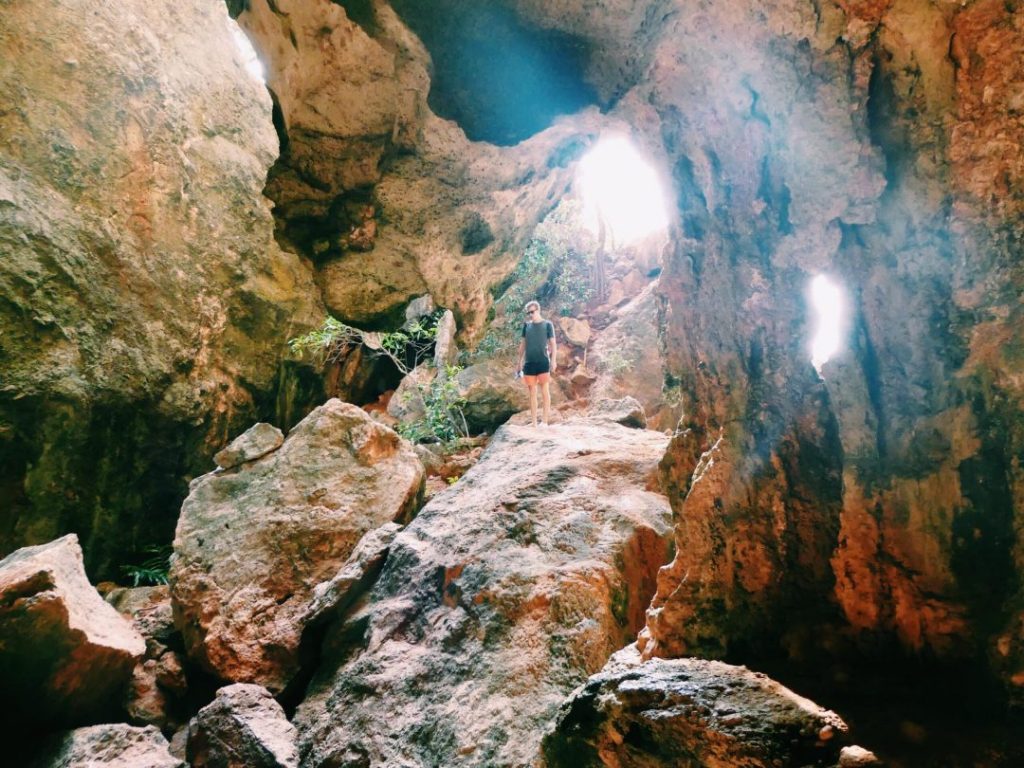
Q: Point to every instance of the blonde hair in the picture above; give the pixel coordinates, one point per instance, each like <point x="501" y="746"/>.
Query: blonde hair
<point x="531" y="304"/>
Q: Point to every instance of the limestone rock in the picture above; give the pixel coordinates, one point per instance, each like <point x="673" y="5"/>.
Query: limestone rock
<point x="406" y="404"/>
<point x="418" y="308"/>
<point x="445" y="349"/>
<point x="158" y="685"/>
<point x="625" y="411"/>
<point x="108" y="746"/>
<point x="689" y="712"/>
<point x="507" y="590"/>
<point x="252" y="543"/>
<point x="362" y="566"/>
<point x="259" y="440"/>
<point x="493" y="394"/>
<point x="577" y="332"/>
<point x="65" y="654"/>
<point x="858" y="757"/>
<point x="242" y="728"/>
<point x="145" y="303"/>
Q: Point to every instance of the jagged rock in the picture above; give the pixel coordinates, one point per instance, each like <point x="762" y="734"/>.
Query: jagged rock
<point x="65" y="655"/>
<point x="111" y="746"/>
<point x="689" y="712"/>
<point x="419" y="308"/>
<point x="445" y="349"/>
<point x="625" y="411"/>
<point x="577" y="332"/>
<point x="252" y="543"/>
<point x="505" y="593"/>
<point x="158" y="685"/>
<point x="362" y="566"/>
<point x="242" y="728"/>
<point x="258" y="440"/>
<point x="146" y="304"/>
<point x="406" y="404"/>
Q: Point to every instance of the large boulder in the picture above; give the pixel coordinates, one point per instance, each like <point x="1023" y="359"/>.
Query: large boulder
<point x="253" y="542"/>
<point x="504" y="594"/>
<point x="108" y="746"/>
<point x="144" y="302"/>
<point x="65" y="655"/>
<point x="493" y="394"/>
<point x="243" y="727"/>
<point x="689" y="712"/>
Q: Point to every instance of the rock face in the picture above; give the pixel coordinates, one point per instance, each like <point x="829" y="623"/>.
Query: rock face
<point x="690" y="712"/>
<point x="110" y="746"/>
<point x="884" y="500"/>
<point x="259" y="440"/>
<point x="242" y="728"/>
<point x="253" y="542"/>
<point x="145" y="304"/>
<point x="65" y="655"/>
<point x="505" y="592"/>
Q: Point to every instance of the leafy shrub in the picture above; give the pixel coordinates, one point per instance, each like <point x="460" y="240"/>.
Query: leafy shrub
<point x="153" y="570"/>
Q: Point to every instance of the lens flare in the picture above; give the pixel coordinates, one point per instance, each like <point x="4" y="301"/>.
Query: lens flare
<point x="622" y="189"/>
<point x="827" y="300"/>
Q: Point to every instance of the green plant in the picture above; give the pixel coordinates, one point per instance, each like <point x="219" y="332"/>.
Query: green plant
<point x="444" y="419"/>
<point x="406" y="347"/>
<point x="153" y="570"/>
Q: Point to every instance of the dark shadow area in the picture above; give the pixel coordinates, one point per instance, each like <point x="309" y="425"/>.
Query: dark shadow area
<point x="500" y="79"/>
<point x="913" y="713"/>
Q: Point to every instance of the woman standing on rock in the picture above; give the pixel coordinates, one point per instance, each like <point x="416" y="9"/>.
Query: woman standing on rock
<point x="537" y="358"/>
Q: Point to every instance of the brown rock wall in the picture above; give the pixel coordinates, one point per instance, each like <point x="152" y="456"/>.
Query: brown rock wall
<point x="876" y="142"/>
<point x="145" y="304"/>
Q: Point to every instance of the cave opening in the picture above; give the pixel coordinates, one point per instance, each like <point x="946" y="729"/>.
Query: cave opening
<point x="621" y="192"/>
<point x="501" y="79"/>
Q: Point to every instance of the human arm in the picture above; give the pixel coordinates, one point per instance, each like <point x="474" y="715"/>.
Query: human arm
<point x="552" y="347"/>
<point x="520" y="354"/>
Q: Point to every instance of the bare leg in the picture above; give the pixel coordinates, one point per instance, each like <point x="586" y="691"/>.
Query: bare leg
<point x="533" y="404"/>
<point x="547" y="402"/>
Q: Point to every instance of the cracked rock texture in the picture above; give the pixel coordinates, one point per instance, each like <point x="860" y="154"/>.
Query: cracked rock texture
<point x="145" y="302"/>
<point x="690" y="712"/>
<point x="108" y="746"/>
<point x="503" y="595"/>
<point x="243" y="727"/>
<point x="253" y="542"/>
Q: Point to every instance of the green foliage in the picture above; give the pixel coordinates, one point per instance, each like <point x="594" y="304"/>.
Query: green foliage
<point x="153" y="570"/>
<point x="406" y="347"/>
<point x="327" y="343"/>
<point x="444" y="419"/>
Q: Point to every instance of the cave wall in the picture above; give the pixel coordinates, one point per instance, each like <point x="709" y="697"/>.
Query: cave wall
<point x="144" y="304"/>
<point x="389" y="200"/>
<point x="878" y="143"/>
